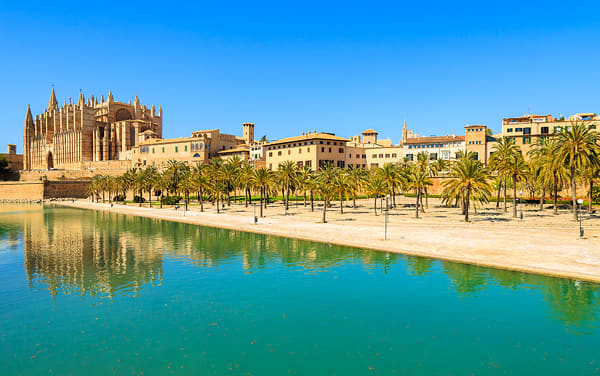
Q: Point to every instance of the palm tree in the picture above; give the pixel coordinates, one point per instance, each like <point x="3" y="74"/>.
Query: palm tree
<point x="325" y="186"/>
<point x="418" y="180"/>
<point x="341" y="185"/>
<point x="200" y="182"/>
<point x="518" y="170"/>
<point x="468" y="178"/>
<point x="376" y="185"/>
<point x="500" y="158"/>
<point x="357" y="177"/>
<point x="262" y="179"/>
<point x="162" y="185"/>
<point x="577" y="148"/>
<point x="149" y="181"/>
<point x="591" y="173"/>
<point x="245" y="181"/>
<point x="303" y="179"/>
<point x="392" y="177"/>
<point x="287" y="177"/>
<point x="423" y="162"/>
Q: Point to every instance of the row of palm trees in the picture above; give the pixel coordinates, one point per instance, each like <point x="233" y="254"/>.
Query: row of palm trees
<point x="570" y="157"/>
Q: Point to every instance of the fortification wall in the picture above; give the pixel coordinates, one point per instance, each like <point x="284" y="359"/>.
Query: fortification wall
<point x="42" y="190"/>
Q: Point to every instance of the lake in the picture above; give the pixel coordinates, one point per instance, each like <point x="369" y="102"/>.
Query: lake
<point x="97" y="293"/>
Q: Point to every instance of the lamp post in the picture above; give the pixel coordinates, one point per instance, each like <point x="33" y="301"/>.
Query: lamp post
<point x="580" y="204"/>
<point x="254" y="207"/>
<point x="521" y="200"/>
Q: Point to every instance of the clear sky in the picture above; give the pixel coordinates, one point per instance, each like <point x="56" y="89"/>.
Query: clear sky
<point x="290" y="67"/>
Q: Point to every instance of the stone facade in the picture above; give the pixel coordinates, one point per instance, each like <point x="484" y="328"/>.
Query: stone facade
<point x="73" y="135"/>
<point x="15" y="161"/>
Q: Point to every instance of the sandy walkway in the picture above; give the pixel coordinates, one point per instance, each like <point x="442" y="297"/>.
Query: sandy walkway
<point x="541" y="243"/>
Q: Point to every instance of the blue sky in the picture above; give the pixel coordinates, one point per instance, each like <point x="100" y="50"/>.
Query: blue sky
<point x="290" y="67"/>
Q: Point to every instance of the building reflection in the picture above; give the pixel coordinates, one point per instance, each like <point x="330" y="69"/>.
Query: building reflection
<point x="96" y="253"/>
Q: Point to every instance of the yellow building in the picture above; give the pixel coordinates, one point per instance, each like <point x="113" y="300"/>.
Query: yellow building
<point x="15" y="161"/>
<point x="310" y="149"/>
<point x="528" y="129"/>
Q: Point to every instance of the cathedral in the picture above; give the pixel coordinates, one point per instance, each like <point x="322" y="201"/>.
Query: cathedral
<point x="87" y="134"/>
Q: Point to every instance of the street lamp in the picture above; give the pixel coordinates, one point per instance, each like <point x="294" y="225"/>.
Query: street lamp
<point x="521" y="199"/>
<point x="580" y="203"/>
<point x="254" y="207"/>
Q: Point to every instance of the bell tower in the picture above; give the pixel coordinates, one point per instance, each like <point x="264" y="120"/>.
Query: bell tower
<point x="248" y="134"/>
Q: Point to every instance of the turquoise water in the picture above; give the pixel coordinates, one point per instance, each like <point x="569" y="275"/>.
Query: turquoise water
<point x="94" y="293"/>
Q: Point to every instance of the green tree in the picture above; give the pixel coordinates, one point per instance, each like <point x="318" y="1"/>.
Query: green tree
<point x="468" y="179"/>
<point x="577" y="148"/>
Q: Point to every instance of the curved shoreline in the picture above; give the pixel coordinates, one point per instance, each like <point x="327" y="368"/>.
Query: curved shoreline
<point x="580" y="259"/>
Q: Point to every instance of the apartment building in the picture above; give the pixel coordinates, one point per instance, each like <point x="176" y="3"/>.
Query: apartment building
<point x="310" y="149"/>
<point x="528" y="129"/>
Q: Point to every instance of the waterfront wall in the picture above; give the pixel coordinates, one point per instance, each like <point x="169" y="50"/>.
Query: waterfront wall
<point x="42" y="190"/>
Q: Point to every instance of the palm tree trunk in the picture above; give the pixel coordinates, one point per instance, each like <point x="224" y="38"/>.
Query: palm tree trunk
<point x="218" y="209"/>
<point x="505" y="189"/>
<point x="324" y="210"/>
<point x="393" y="197"/>
<point x="201" y="199"/>
<point x="304" y="198"/>
<point x="498" y="195"/>
<point x="375" y="204"/>
<point x="261" y="202"/>
<point x="312" y="201"/>
<point x="161" y="199"/>
<point x="591" y="195"/>
<point x="150" y="198"/>
<point x="467" y="203"/>
<point x="426" y="199"/>
<point x="515" y="196"/>
<point x="417" y="206"/>
<point x="187" y="198"/>
<point x="542" y="198"/>
<point x="555" y="187"/>
<point x="574" y="193"/>
<point x="287" y="199"/>
<point x="341" y="205"/>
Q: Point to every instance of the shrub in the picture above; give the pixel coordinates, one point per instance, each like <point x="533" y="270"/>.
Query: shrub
<point x="119" y="198"/>
<point x="138" y="199"/>
<point x="171" y="200"/>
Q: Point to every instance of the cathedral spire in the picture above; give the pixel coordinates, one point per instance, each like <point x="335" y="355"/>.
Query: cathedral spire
<point x="28" y="117"/>
<point x="159" y="111"/>
<point x="52" y="102"/>
<point x="136" y="101"/>
<point x="81" y="101"/>
<point x="110" y="98"/>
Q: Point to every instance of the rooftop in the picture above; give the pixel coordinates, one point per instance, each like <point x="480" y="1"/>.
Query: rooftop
<point x="425" y="140"/>
<point x="309" y="136"/>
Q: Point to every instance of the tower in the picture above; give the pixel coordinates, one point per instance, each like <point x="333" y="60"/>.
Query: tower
<point x="404" y="133"/>
<point x="27" y="129"/>
<point x="248" y="133"/>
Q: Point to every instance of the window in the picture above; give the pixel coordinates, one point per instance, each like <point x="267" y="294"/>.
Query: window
<point x="329" y="149"/>
<point x="308" y="163"/>
<point x="322" y="149"/>
<point x="358" y="156"/>
<point x="308" y="150"/>
<point x="387" y="155"/>
<point x="409" y="156"/>
<point x="526" y="140"/>
<point x="526" y="130"/>
<point x="299" y="163"/>
<point x="270" y="166"/>
<point x="364" y="156"/>
<point x="380" y="155"/>
<point x="163" y="149"/>
<point x="476" y="156"/>
<point x="341" y="150"/>
<point x="300" y="151"/>
<point x="545" y="130"/>
<point x="152" y="150"/>
<point x="185" y="148"/>
<point x="518" y="129"/>
<point x="270" y="154"/>
<point x="279" y="152"/>
<point x="321" y="142"/>
<point x="374" y="155"/>
<point x="289" y="152"/>
<point x="341" y="164"/>
<point x="393" y="155"/>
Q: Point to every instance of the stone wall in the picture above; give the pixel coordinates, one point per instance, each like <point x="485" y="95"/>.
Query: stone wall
<point x="41" y="190"/>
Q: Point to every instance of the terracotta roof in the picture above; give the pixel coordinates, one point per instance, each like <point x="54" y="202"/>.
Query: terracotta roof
<point x="309" y="136"/>
<point x="369" y="131"/>
<point x="425" y="140"/>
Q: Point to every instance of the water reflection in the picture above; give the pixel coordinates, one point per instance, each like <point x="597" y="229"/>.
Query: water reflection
<point x="104" y="254"/>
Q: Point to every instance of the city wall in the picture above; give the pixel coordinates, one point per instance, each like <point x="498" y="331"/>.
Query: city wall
<point x="42" y="190"/>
